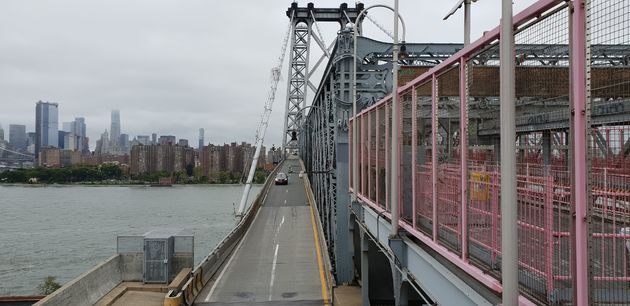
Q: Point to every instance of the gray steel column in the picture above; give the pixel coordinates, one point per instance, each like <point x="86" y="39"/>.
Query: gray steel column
<point x="365" y="269"/>
<point x="509" y="218"/>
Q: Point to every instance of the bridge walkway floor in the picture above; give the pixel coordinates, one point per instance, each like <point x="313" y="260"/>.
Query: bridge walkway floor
<point x="276" y="261"/>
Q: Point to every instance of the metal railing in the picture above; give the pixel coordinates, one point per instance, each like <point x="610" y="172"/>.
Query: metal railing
<point x="449" y="175"/>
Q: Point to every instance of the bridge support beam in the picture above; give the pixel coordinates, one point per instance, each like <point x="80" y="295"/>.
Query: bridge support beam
<point x="399" y="262"/>
<point x="438" y="283"/>
<point x="365" y="269"/>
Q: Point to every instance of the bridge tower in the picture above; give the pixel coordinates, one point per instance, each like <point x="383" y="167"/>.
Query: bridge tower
<point x="298" y="81"/>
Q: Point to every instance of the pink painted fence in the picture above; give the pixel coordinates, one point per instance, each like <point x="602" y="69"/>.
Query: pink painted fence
<point x="449" y="145"/>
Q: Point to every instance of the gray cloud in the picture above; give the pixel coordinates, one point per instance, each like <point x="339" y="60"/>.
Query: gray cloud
<point x="172" y="67"/>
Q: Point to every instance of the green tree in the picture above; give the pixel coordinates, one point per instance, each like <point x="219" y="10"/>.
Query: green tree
<point x="190" y="169"/>
<point x="111" y="171"/>
<point x="49" y="285"/>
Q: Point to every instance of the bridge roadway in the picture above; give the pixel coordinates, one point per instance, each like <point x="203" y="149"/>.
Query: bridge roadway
<point x="276" y="261"/>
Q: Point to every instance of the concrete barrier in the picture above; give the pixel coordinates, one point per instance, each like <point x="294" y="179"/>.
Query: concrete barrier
<point x="92" y="285"/>
<point x="131" y="266"/>
<point x="89" y="287"/>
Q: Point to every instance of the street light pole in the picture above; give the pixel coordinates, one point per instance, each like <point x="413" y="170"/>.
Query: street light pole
<point x="466" y="22"/>
<point x="393" y="189"/>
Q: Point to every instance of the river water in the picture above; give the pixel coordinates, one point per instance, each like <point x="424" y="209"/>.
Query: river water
<point x="62" y="231"/>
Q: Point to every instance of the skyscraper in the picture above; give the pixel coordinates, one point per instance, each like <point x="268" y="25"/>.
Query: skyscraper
<point x="154" y="138"/>
<point x="201" y="140"/>
<point x="115" y="128"/>
<point x="76" y="132"/>
<point x="17" y="137"/>
<point x="46" y="125"/>
<point x="1" y="133"/>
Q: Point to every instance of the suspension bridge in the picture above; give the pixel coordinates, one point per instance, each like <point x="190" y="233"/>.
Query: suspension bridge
<point x="424" y="178"/>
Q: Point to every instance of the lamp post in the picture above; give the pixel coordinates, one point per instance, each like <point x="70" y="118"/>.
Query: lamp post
<point x="394" y="142"/>
<point x="466" y="4"/>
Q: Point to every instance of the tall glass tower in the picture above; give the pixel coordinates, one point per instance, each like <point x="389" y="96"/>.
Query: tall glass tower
<point x="46" y="125"/>
<point x="201" y="132"/>
<point x="114" y="135"/>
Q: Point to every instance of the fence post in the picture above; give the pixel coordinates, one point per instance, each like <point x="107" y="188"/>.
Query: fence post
<point x="414" y="151"/>
<point x="434" y="161"/>
<point x="578" y="111"/>
<point x="463" y="155"/>
<point x="549" y="242"/>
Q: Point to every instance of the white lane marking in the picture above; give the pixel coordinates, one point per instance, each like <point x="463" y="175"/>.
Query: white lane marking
<point x="285" y="201"/>
<point x="275" y="258"/>
<point x="273" y="271"/>
<point x="287" y="191"/>
<point x="238" y="247"/>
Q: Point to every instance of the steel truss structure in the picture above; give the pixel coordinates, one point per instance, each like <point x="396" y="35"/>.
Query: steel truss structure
<point x="324" y="145"/>
<point x="298" y="81"/>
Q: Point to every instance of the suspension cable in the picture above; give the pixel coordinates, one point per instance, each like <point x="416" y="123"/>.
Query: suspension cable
<point x="264" y="119"/>
<point x="388" y="33"/>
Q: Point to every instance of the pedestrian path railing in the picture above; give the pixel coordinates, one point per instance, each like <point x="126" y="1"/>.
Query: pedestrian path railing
<point x="449" y="174"/>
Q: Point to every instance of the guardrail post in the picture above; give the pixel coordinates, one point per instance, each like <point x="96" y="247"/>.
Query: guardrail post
<point x="549" y="240"/>
<point x="578" y="112"/>
<point x="434" y="161"/>
<point x="463" y="153"/>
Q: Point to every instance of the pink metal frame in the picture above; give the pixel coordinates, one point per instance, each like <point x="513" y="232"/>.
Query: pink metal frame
<point x="578" y="80"/>
<point x="541" y="193"/>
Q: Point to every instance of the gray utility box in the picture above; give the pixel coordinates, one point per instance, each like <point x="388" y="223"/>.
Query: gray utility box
<point x="158" y="255"/>
<point x="163" y="253"/>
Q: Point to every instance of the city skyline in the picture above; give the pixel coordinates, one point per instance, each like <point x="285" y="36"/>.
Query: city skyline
<point x="78" y="128"/>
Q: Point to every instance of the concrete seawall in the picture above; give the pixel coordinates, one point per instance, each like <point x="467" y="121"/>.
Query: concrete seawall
<point x="92" y="285"/>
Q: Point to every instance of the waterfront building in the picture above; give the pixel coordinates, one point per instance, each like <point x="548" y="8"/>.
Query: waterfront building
<point x="17" y="137"/>
<point x="123" y="143"/>
<point x="46" y="125"/>
<point x="30" y="142"/>
<point x="76" y="136"/>
<point x="143" y="139"/>
<point x="115" y="128"/>
<point x="201" y="139"/>
<point x="156" y="158"/>
<point x="230" y="158"/>
<point x="166" y="140"/>
<point x="49" y="157"/>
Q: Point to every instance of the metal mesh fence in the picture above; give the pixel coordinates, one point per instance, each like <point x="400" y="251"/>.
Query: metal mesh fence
<point x="432" y="146"/>
<point x="542" y="119"/>
<point x="608" y="29"/>
<point x="406" y="160"/>
<point x="423" y="166"/>
<point x="483" y="181"/>
<point x="448" y="162"/>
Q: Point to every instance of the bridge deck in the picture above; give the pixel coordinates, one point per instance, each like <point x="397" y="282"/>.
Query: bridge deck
<point x="275" y="263"/>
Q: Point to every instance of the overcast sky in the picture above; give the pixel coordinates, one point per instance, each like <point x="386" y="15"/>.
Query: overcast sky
<point x="172" y="67"/>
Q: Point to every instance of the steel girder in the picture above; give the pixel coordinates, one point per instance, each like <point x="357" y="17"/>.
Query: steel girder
<point x="297" y="81"/>
<point x="326" y="130"/>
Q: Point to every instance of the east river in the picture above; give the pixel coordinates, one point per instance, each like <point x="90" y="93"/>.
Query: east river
<point x="62" y="231"/>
